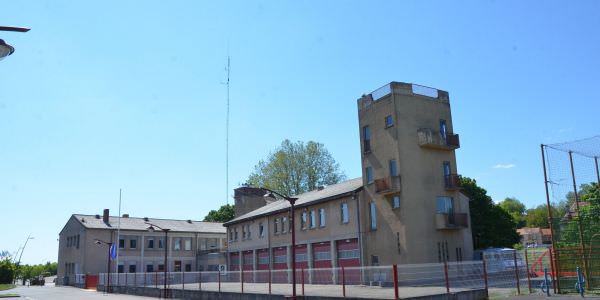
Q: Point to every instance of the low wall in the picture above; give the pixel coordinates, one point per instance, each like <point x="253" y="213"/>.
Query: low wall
<point x="479" y="294"/>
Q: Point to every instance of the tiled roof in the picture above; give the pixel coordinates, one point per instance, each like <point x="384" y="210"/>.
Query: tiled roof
<point x="330" y="192"/>
<point x="129" y="223"/>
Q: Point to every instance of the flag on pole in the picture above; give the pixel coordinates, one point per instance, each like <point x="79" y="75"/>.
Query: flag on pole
<point x="113" y="251"/>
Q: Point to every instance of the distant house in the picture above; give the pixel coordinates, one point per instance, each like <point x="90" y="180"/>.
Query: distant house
<point x="192" y="245"/>
<point x="534" y="236"/>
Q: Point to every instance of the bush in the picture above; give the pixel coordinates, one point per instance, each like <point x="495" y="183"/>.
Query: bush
<point x="7" y="271"/>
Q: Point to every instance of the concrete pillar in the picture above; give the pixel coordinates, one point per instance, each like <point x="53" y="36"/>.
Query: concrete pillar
<point x="289" y="262"/>
<point x="310" y="261"/>
<point x="240" y="259"/>
<point x="334" y="264"/>
<point x="254" y="264"/>
<point x="142" y="254"/>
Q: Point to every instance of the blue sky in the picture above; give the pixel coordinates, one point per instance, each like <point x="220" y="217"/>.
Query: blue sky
<point x="114" y="94"/>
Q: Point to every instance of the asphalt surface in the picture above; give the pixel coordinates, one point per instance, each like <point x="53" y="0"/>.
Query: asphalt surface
<point x="50" y="292"/>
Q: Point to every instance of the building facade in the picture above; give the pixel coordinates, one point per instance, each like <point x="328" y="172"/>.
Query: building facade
<point x="406" y="208"/>
<point x="192" y="245"/>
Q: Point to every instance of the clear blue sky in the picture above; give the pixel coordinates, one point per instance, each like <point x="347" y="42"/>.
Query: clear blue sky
<point x="107" y="95"/>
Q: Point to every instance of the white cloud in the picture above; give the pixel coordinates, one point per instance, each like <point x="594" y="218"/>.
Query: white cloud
<point x="504" y="166"/>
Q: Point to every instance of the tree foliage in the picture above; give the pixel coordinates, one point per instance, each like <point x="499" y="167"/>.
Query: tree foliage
<point x="223" y="214"/>
<point x="7" y="271"/>
<point x="589" y="216"/>
<point x="491" y="225"/>
<point x="296" y="168"/>
<point x="516" y="209"/>
<point x="538" y="216"/>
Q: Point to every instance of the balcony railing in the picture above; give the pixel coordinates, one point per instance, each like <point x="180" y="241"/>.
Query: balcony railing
<point x="453" y="182"/>
<point x="451" y="221"/>
<point x="430" y="138"/>
<point x="388" y="185"/>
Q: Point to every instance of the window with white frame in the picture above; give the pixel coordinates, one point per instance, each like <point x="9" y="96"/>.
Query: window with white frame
<point x="369" y="172"/>
<point x="395" y="201"/>
<point x="284" y="221"/>
<point x="303" y="219"/>
<point x="373" y="215"/>
<point x="276" y="226"/>
<point x="313" y="219"/>
<point x="261" y="230"/>
<point x="187" y="244"/>
<point x="177" y="244"/>
<point x="344" y="213"/>
<point x="322" y="217"/>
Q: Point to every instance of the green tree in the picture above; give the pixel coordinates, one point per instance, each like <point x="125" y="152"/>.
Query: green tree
<point x="491" y="226"/>
<point x="296" y="168"/>
<point x="538" y="216"/>
<point x="589" y="216"/>
<point x="7" y="271"/>
<point x="516" y="209"/>
<point x="223" y="214"/>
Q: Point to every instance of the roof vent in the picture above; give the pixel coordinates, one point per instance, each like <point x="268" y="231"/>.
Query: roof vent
<point x="125" y="215"/>
<point x="320" y="188"/>
<point x="189" y="221"/>
<point x="82" y="220"/>
<point x="97" y="216"/>
<point x="146" y="219"/>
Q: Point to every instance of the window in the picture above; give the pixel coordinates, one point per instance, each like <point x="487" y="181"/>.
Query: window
<point x="373" y="215"/>
<point x="348" y="254"/>
<point x="263" y="260"/>
<point x="344" y="214"/>
<point x="396" y="201"/>
<point x="121" y="243"/>
<point x="77" y="243"/>
<point x="389" y="121"/>
<point x="188" y="267"/>
<point x="325" y="255"/>
<point x="443" y="130"/>
<point x="177" y="266"/>
<point x="445" y="205"/>
<point x="303" y="219"/>
<point x="150" y="243"/>
<point x="393" y="168"/>
<point x="161" y="267"/>
<point x="374" y="260"/>
<point x="446" y="169"/>
<point x="283" y="223"/>
<point x="248" y="231"/>
<point x="369" y="172"/>
<point x="161" y="243"/>
<point x="187" y="244"/>
<point x="280" y="259"/>
<point x="367" y="139"/>
<point x="301" y="257"/>
<point x="322" y="216"/>
<point x="132" y="268"/>
<point x="120" y="268"/>
<point x="276" y="226"/>
<point x="149" y="268"/>
<point x="313" y="219"/>
<point x="132" y="243"/>
<point x="261" y="230"/>
<point x="235" y="234"/>
<point x="177" y="244"/>
<point x="243" y="232"/>
<point x="230" y="234"/>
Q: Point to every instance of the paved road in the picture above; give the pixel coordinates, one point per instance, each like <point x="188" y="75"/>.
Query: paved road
<point x="50" y="292"/>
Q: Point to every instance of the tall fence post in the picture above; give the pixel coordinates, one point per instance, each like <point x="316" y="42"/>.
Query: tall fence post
<point x="343" y="283"/>
<point x="242" y="278"/>
<point x="395" y="276"/>
<point x="155" y="280"/>
<point x="145" y="280"/>
<point x="183" y="280"/>
<point x="517" y="273"/>
<point x="302" y="273"/>
<point x="446" y="277"/>
<point x="270" y="280"/>
<point x="199" y="281"/>
<point x="219" y="276"/>
<point x="485" y="275"/>
<point x="528" y="275"/>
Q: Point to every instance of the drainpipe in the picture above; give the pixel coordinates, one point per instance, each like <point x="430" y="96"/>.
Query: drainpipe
<point x="360" y="239"/>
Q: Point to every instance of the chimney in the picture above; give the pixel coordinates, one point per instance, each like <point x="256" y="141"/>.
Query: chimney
<point x="105" y="215"/>
<point x="248" y="199"/>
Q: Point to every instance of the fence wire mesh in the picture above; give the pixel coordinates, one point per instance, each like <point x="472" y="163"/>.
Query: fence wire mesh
<point x="573" y="179"/>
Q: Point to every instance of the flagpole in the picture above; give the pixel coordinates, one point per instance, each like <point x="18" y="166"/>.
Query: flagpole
<point x="118" y="234"/>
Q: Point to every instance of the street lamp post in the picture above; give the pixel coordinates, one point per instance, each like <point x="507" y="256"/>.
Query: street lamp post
<point x="29" y="237"/>
<point x="109" y="244"/>
<point x="292" y="201"/>
<point x="166" y="231"/>
<point x="6" y="49"/>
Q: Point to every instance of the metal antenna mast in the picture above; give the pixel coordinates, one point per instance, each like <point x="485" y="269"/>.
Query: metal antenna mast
<point x="227" y="136"/>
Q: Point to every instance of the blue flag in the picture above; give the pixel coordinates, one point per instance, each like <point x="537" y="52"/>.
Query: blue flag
<point x="113" y="251"/>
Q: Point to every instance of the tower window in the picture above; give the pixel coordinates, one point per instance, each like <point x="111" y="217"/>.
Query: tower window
<point x="389" y="121"/>
<point x="393" y="168"/>
<point x="367" y="139"/>
<point x="369" y="172"/>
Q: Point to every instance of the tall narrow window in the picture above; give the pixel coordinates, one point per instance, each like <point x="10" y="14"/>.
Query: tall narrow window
<point x="177" y="244"/>
<point x="447" y="177"/>
<point x="389" y="121"/>
<point x="322" y="221"/>
<point x="395" y="201"/>
<point x="276" y="226"/>
<point x="373" y="214"/>
<point x="393" y="168"/>
<point x="443" y="130"/>
<point x="121" y="243"/>
<point x="132" y="243"/>
<point x="248" y="232"/>
<point x="303" y="219"/>
<point x="261" y="230"/>
<point x="187" y="244"/>
<point x="150" y="243"/>
<point x="369" y="173"/>
<point x="313" y="219"/>
<point x="367" y="139"/>
<point x="161" y="243"/>
<point x="344" y="214"/>
<point x="283" y="225"/>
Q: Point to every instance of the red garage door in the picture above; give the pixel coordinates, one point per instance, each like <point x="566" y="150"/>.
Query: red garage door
<point x="280" y="273"/>
<point x="234" y="261"/>
<point x="322" y="274"/>
<point x="301" y="257"/>
<point x="348" y="256"/>
<point x="262" y="264"/>
<point x="248" y="260"/>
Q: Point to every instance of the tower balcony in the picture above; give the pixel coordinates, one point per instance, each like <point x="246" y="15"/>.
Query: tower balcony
<point x="453" y="182"/>
<point x="446" y="221"/>
<point x="429" y="138"/>
<point x="388" y="185"/>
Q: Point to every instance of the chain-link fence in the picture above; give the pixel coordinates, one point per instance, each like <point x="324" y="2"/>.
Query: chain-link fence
<point x="572" y="178"/>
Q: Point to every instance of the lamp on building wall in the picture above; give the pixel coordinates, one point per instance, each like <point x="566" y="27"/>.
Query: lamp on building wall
<point x="6" y="49"/>
<point x="109" y="244"/>
<point x="166" y="231"/>
<point x="272" y="195"/>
